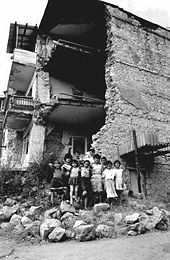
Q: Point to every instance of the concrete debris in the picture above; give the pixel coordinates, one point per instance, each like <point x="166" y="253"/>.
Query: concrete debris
<point x="85" y="233"/>
<point x="131" y="219"/>
<point x="57" y="234"/>
<point x="15" y="220"/>
<point x="101" y="207"/>
<point x="64" y="222"/>
<point x="104" y="231"/>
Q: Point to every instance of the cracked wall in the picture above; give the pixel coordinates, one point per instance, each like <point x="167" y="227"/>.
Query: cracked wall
<point x="137" y="74"/>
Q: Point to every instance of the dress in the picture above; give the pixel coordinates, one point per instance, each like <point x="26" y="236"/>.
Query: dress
<point x="109" y="176"/>
<point x="96" y="179"/>
<point x="74" y="176"/>
<point x="119" y="179"/>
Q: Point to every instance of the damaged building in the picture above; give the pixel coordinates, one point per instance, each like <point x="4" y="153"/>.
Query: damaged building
<point x="92" y="73"/>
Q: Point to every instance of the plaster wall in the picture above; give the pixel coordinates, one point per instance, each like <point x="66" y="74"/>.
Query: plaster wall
<point x="11" y="155"/>
<point x="36" y="143"/>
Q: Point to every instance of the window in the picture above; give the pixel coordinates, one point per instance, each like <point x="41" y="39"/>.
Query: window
<point x="79" y="144"/>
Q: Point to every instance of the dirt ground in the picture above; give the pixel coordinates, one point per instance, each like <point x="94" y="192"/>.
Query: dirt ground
<point x="149" y="246"/>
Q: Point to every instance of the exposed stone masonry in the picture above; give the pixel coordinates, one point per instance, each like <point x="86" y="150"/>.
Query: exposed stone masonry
<point x="137" y="73"/>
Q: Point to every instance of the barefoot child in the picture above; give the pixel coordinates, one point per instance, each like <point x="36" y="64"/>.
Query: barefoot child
<point x="85" y="182"/>
<point x="74" y="180"/>
<point x="109" y="179"/>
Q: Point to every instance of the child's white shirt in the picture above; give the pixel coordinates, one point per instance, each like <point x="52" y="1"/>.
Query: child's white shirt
<point x="109" y="174"/>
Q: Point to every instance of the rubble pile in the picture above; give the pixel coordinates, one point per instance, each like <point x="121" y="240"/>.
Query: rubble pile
<point x="65" y="222"/>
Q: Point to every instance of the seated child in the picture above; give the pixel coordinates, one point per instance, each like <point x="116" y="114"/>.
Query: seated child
<point x="74" y="180"/>
<point x="85" y="182"/>
<point x="58" y="180"/>
<point x="109" y="179"/>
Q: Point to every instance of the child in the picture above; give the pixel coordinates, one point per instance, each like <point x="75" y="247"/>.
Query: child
<point x="96" y="179"/>
<point x="57" y="181"/>
<point x="89" y="155"/>
<point x="119" y="181"/>
<point x="109" y="177"/>
<point x="74" y="180"/>
<point x="66" y="167"/>
<point x="85" y="182"/>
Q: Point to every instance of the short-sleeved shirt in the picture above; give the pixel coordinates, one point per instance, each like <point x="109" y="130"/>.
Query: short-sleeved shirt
<point x="109" y="174"/>
<point x="85" y="172"/>
<point x="96" y="169"/>
<point x="74" y="172"/>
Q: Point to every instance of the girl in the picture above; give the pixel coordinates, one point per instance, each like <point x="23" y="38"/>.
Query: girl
<point x="109" y="177"/>
<point x="96" y="179"/>
<point x="74" y="180"/>
<point x="119" y="180"/>
<point x="85" y="182"/>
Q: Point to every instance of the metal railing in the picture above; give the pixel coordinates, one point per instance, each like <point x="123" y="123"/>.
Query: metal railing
<point x="19" y="102"/>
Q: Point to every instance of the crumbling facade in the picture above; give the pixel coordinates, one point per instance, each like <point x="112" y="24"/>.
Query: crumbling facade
<point x="98" y="74"/>
<point x="137" y="73"/>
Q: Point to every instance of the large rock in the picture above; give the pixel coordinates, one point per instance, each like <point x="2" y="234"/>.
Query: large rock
<point x="49" y="213"/>
<point x="5" y="225"/>
<point x="35" y="213"/>
<point x="10" y="202"/>
<point x="15" y="220"/>
<point x="85" y="233"/>
<point x="101" y="207"/>
<point x="118" y="218"/>
<point x="104" y="231"/>
<point x="25" y="221"/>
<point x="78" y="223"/>
<point x="152" y="220"/>
<point x="33" y="228"/>
<point x="9" y="211"/>
<point x="138" y="227"/>
<point x="47" y="227"/>
<point x="132" y="233"/>
<point x="68" y="220"/>
<point x="57" y="234"/>
<point x="131" y="219"/>
<point x="2" y="217"/>
<point x="66" y="207"/>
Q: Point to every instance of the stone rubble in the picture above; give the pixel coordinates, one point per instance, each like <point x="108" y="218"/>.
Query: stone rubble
<point x="64" y="222"/>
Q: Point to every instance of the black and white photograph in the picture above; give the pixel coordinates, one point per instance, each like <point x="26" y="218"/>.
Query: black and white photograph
<point x="85" y="130"/>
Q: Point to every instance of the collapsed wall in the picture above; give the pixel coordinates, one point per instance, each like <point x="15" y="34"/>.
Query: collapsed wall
<point x="137" y="74"/>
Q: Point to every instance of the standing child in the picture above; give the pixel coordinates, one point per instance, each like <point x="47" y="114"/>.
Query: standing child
<point x="109" y="179"/>
<point x="96" y="179"/>
<point x="74" y="180"/>
<point x="119" y="181"/>
<point x="85" y="182"/>
<point x="66" y="168"/>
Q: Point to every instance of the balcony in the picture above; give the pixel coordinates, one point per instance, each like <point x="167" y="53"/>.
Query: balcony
<point x="18" y="112"/>
<point x="21" y="102"/>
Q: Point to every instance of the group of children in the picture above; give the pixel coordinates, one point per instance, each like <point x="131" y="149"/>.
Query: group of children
<point x="91" y="180"/>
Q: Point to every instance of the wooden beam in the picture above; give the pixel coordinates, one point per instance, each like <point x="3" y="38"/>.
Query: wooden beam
<point x="137" y="161"/>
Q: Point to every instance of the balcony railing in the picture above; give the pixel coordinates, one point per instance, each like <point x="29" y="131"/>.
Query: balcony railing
<point x="19" y="102"/>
